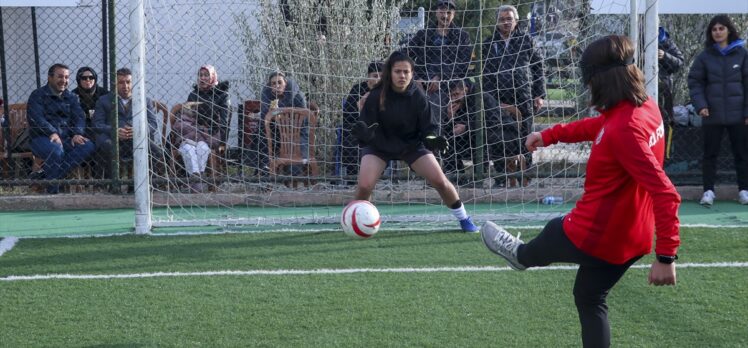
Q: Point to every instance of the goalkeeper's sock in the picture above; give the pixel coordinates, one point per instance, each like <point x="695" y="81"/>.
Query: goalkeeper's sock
<point x="460" y="213"/>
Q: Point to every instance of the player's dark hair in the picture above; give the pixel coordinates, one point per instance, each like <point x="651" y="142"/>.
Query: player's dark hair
<point x="609" y="72"/>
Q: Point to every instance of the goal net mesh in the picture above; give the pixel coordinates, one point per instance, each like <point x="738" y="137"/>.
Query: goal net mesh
<point x="222" y="167"/>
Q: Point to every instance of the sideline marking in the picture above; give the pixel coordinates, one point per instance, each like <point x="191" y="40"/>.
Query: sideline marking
<point x="316" y="230"/>
<point x="326" y="271"/>
<point x="6" y="244"/>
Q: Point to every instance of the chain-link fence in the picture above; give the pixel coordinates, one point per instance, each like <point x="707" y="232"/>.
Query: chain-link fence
<point x="33" y="40"/>
<point x="246" y="42"/>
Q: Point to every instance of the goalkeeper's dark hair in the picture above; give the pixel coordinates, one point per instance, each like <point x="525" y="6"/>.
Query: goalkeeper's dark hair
<point x="386" y="80"/>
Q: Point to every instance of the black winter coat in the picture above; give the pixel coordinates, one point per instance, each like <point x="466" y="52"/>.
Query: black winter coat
<point x="213" y="112"/>
<point x="514" y="70"/>
<point x="88" y="104"/>
<point x="719" y="82"/>
<point x="351" y="113"/>
<point x="446" y="57"/>
<point x="671" y="61"/>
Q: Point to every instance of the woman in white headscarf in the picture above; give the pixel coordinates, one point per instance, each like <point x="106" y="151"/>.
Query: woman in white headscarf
<point x="203" y="124"/>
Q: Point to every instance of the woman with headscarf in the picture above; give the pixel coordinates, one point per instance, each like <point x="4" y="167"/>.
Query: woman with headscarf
<point x="203" y="122"/>
<point x="88" y="92"/>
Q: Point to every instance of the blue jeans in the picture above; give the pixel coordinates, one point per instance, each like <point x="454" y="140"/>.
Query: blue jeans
<point x="59" y="159"/>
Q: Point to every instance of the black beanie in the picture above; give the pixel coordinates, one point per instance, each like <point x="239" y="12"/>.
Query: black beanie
<point x="375" y="66"/>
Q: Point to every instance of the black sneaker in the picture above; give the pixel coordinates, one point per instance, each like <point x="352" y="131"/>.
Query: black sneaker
<point x="499" y="182"/>
<point x="37" y="175"/>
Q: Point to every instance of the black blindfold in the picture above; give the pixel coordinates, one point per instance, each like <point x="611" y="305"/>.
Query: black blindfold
<point x="589" y="70"/>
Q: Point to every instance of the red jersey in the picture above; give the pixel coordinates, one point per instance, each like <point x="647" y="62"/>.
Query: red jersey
<point x="627" y="195"/>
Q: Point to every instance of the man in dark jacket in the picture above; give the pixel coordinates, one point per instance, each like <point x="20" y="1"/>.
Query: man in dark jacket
<point x="513" y="69"/>
<point x="57" y="127"/>
<point x="349" y="151"/>
<point x="670" y="61"/>
<point x="104" y="114"/>
<point x="441" y="53"/>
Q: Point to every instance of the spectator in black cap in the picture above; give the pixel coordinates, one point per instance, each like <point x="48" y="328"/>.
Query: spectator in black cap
<point x="440" y="52"/>
<point x="349" y="148"/>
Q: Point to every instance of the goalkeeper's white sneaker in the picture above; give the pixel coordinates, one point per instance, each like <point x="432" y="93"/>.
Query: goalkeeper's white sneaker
<point x="707" y="198"/>
<point x="743" y="196"/>
<point x="502" y="243"/>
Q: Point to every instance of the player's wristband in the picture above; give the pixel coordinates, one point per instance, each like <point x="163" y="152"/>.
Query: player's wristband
<point x="666" y="259"/>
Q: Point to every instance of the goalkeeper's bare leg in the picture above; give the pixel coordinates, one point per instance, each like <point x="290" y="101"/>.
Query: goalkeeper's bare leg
<point x="427" y="167"/>
<point x="368" y="174"/>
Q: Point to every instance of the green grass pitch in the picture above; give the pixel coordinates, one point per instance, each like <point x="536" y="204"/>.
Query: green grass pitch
<point x="448" y="308"/>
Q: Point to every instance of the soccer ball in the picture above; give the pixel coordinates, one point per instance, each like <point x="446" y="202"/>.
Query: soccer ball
<point x="360" y="219"/>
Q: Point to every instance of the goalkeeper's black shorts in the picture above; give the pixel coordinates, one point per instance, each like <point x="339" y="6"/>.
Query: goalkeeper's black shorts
<point x="409" y="156"/>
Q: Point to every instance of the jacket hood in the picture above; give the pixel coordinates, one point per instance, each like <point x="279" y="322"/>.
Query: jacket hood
<point x="662" y="35"/>
<point x="729" y="48"/>
<point x="292" y="89"/>
<point x="412" y="89"/>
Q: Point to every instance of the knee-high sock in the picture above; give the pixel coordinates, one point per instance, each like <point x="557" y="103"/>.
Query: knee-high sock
<point x="458" y="210"/>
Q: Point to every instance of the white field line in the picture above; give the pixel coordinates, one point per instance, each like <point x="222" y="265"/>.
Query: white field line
<point x="450" y="227"/>
<point x="6" y="244"/>
<point x="283" y="272"/>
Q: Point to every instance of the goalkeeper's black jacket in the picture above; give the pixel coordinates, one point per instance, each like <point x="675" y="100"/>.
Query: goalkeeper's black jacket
<point x="404" y="121"/>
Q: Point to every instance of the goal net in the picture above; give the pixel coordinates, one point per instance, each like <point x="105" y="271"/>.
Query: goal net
<point x="235" y="157"/>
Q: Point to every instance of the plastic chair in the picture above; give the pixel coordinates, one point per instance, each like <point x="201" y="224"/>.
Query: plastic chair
<point x="288" y="124"/>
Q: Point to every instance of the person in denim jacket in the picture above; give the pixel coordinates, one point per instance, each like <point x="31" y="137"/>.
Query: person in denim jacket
<point x="57" y="127"/>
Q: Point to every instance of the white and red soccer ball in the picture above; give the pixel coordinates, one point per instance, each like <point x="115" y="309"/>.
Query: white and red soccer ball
<point x="360" y="219"/>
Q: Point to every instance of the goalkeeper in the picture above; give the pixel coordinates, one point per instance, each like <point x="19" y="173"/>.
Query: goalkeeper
<point x="397" y="124"/>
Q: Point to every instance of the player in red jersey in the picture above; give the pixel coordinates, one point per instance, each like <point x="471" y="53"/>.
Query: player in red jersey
<point x="627" y="196"/>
